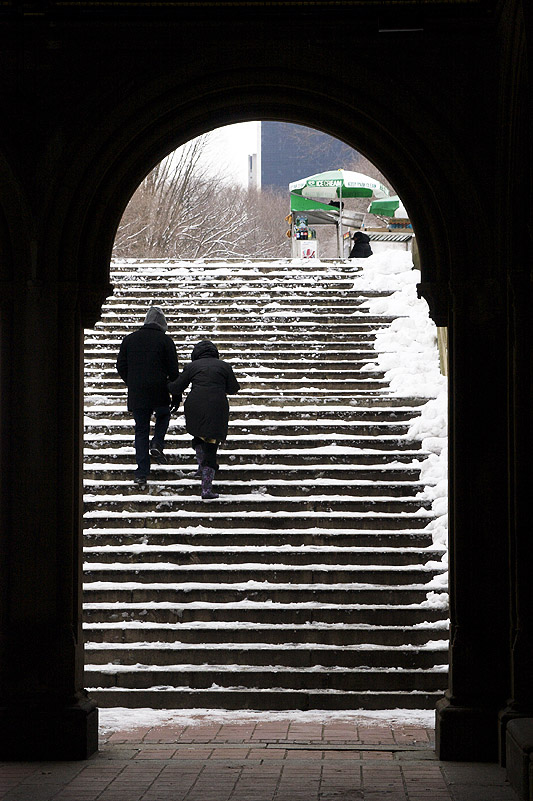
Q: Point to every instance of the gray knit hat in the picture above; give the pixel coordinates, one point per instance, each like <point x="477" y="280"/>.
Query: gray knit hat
<point x="155" y="316"/>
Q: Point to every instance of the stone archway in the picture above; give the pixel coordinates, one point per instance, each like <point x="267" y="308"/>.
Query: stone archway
<point x="456" y="299"/>
<point x="112" y="123"/>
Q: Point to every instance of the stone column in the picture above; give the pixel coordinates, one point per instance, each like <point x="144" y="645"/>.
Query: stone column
<point x="467" y="718"/>
<point x="44" y="711"/>
<point x="520" y="705"/>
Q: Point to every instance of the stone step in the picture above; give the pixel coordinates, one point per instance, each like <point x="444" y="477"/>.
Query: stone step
<point x="270" y="290"/>
<point x="267" y="699"/>
<point x="161" y="268"/>
<point x="210" y="288"/>
<point x="345" y="678"/>
<point x="262" y="294"/>
<point x="247" y="281"/>
<point x="269" y="614"/>
<point x="322" y="413"/>
<point x="96" y="363"/>
<point x="314" y="371"/>
<point x="277" y="460"/>
<point x="284" y="536"/>
<point x="234" y="274"/>
<point x="250" y="347"/>
<point x="235" y="278"/>
<point x="140" y="592"/>
<point x="335" y="346"/>
<point x="324" y="400"/>
<point x="250" y="446"/>
<point x="228" y="273"/>
<point x="133" y="291"/>
<point x="270" y="488"/>
<point x="349" y="385"/>
<point x="265" y="426"/>
<point x="290" y="654"/>
<point x="98" y="395"/>
<point x="131" y="314"/>
<point x="289" y="555"/>
<point x="265" y="360"/>
<point x="226" y="270"/>
<point x="228" y="575"/>
<point x="324" y="329"/>
<point x="263" y="327"/>
<point x="259" y="327"/>
<point x="205" y="287"/>
<point x="260" y="330"/>
<point x="216" y="515"/>
<point x="122" y="474"/>
<point x="258" y="311"/>
<point x="403" y="545"/>
<point x="256" y="504"/>
<point x="135" y="303"/>
<point x="254" y="698"/>
<point x="339" y="634"/>
<point x="372" y="379"/>
<point x="285" y="404"/>
<point x="130" y="292"/>
<point x="257" y="416"/>
<point x="125" y="284"/>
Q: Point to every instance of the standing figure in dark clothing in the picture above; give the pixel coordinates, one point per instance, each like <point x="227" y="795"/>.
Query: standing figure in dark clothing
<point x="146" y="361"/>
<point x="361" y="246"/>
<point x="206" y="407"/>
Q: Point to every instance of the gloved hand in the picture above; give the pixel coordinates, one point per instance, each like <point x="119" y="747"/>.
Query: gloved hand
<point x="174" y="406"/>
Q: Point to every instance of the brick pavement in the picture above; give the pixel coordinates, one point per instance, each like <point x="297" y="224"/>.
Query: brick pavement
<point x="259" y="761"/>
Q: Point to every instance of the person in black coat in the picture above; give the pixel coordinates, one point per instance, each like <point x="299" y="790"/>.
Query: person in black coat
<point x="206" y="407"/>
<point x="146" y="361"/>
<point x="361" y="246"/>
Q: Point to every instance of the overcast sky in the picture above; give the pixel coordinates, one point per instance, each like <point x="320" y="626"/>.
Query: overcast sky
<point x="229" y="148"/>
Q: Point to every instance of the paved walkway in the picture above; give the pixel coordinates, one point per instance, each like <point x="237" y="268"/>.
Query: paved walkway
<point x="259" y="761"/>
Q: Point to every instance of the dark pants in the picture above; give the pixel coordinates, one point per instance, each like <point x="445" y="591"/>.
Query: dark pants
<point x="142" y="419"/>
<point x="209" y="450"/>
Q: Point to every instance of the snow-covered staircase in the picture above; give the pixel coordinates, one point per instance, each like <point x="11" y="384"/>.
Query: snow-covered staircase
<point x="310" y="582"/>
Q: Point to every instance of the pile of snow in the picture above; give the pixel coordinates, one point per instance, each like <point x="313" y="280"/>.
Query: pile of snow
<point x="407" y="353"/>
<point x="122" y="719"/>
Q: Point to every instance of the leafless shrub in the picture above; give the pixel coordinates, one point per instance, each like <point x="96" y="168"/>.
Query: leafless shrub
<point x="179" y="211"/>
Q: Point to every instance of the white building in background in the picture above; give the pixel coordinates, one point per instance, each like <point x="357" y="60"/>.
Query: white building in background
<point x="253" y="172"/>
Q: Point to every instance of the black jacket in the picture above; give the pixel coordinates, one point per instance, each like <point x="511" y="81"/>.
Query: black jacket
<point x="361" y="246"/>
<point x="146" y="361"/>
<point x="206" y="407"/>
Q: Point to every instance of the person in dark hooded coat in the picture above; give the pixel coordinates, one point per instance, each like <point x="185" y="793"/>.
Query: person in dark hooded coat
<point x="206" y="407"/>
<point x="146" y="361"/>
<point x="361" y="246"/>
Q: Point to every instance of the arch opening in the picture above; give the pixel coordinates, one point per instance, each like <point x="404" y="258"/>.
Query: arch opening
<point x="394" y="147"/>
<point x="157" y="278"/>
<point x="199" y="201"/>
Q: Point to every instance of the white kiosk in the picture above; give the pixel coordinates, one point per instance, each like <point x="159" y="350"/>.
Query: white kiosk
<point x="309" y="206"/>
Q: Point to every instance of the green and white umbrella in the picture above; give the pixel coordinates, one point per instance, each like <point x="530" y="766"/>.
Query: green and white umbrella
<point x="339" y="184"/>
<point x="388" y="207"/>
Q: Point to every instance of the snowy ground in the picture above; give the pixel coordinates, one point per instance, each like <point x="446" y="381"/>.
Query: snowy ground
<point x="121" y="719"/>
<point x="407" y="353"/>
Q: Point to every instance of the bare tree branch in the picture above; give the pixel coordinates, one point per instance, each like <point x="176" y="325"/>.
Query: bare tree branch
<point x="181" y="212"/>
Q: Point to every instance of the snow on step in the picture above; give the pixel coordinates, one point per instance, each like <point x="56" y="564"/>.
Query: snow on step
<point x="313" y="581"/>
